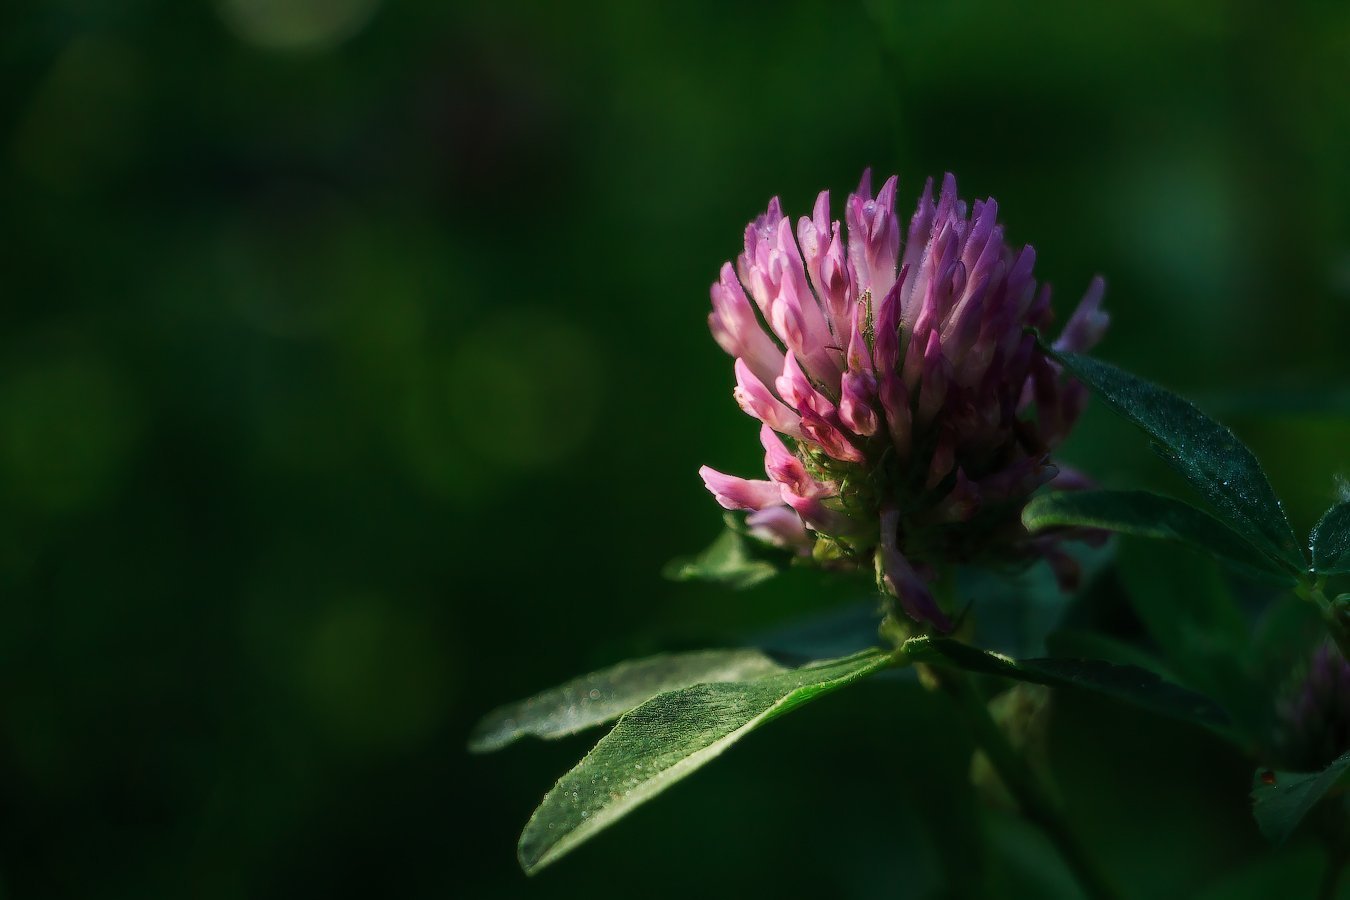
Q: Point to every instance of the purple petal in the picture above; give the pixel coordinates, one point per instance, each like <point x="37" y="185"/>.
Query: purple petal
<point x="899" y="578"/>
<point x="933" y="387"/>
<point x="1088" y="322"/>
<point x="855" y="404"/>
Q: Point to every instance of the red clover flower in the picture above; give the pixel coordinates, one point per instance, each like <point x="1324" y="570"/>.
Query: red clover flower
<point x="908" y="411"/>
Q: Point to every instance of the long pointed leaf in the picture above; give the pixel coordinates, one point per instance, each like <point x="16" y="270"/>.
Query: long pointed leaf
<point x="1206" y="453"/>
<point x="605" y="695"/>
<point x="666" y="739"/>
<point x="1128" y="683"/>
<point x="1145" y="514"/>
<point x="1331" y="541"/>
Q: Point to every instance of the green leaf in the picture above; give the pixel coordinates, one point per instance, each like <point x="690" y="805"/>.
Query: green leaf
<point x="1280" y="800"/>
<point x="1016" y="611"/>
<point x="1145" y="514"/>
<point x="666" y="739"/>
<point x="609" y="693"/>
<point x="1292" y="871"/>
<point x="726" y="561"/>
<point x="1129" y="683"/>
<point x="1206" y="453"/>
<point x="1198" y="625"/>
<point x="1331" y="541"/>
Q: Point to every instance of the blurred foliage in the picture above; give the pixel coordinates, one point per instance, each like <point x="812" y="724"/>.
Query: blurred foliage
<point x="354" y="379"/>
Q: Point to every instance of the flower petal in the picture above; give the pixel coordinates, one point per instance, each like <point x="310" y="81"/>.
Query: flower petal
<point x="740" y="493"/>
<point x="898" y="577"/>
<point x="758" y="401"/>
<point x="1088" y="322"/>
<point x="781" y="527"/>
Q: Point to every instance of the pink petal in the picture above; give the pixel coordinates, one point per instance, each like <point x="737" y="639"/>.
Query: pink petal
<point x="740" y="493"/>
<point x="794" y="387"/>
<point x="783" y="466"/>
<point x="781" y="527"/>
<point x="737" y="330"/>
<point x="822" y="518"/>
<point x="758" y="401"/>
<point x="821" y="431"/>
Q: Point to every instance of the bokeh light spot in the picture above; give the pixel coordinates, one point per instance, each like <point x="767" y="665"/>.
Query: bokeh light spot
<point x="291" y="256"/>
<point x="525" y="389"/>
<point x="296" y="24"/>
<point x="374" y="672"/>
<point x="85" y="119"/>
<point x="67" y="426"/>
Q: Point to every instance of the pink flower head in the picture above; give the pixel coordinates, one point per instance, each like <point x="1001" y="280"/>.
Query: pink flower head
<point x="908" y="412"/>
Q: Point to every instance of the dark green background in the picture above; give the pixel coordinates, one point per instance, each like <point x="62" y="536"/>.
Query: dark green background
<point x="354" y="378"/>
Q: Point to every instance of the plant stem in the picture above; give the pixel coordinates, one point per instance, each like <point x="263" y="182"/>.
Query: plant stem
<point x="1033" y="795"/>
<point x="1331" y="878"/>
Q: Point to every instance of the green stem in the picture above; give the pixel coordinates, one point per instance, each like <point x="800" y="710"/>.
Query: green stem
<point x="1033" y="795"/>
<point x="1331" y="878"/>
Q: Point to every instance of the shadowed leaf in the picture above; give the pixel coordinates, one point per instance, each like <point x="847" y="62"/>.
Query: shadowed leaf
<point x="1280" y="800"/>
<point x="1129" y="683"/>
<point x="1145" y="514"/>
<point x="1331" y="541"/>
<point x="1206" y="453"/>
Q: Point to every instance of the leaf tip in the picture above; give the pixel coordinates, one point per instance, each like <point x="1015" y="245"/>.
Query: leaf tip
<point x="530" y="856"/>
<point x="491" y="733"/>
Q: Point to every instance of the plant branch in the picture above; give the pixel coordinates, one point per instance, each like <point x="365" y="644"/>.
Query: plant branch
<point x="1331" y="877"/>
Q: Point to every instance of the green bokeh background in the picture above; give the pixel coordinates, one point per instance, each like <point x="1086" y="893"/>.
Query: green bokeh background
<point x="354" y="378"/>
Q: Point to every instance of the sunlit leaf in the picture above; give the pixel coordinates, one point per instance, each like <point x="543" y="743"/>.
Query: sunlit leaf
<point x="609" y="693"/>
<point x="1145" y="514"/>
<point x="1206" y="453"/>
<point x="1280" y="800"/>
<point x="1331" y="541"/>
<point x="727" y="560"/>
<point x="666" y="739"/>
<point x="1128" y="683"/>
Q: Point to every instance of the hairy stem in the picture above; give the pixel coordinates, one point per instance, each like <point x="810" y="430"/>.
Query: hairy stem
<point x="1033" y="795"/>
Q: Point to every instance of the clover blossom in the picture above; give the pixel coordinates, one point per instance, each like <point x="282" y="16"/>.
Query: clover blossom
<point x="907" y="410"/>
